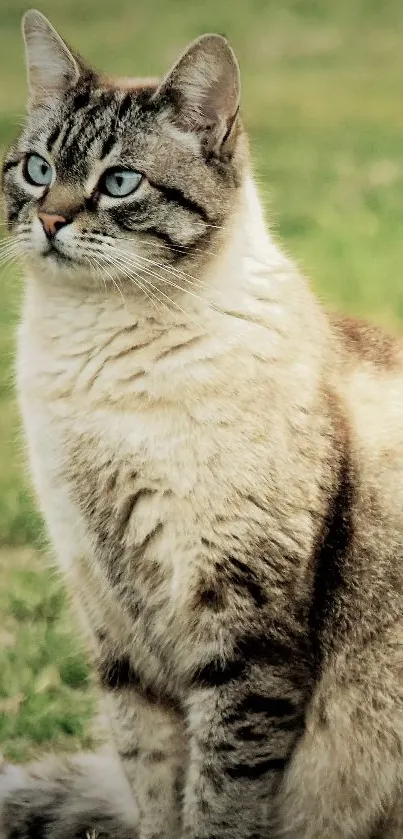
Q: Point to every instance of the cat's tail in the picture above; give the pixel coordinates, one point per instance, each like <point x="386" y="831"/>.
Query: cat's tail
<point x="82" y="797"/>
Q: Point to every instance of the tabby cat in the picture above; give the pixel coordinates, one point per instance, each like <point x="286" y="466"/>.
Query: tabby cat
<point x="220" y="466"/>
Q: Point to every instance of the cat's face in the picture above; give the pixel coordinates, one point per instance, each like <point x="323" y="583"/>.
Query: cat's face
<point x="112" y="178"/>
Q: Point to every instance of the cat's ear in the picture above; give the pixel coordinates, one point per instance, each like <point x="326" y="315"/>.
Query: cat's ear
<point x="203" y="90"/>
<point x="51" y="67"/>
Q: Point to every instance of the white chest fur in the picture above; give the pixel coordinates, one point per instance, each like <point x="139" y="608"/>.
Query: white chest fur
<point x="181" y="431"/>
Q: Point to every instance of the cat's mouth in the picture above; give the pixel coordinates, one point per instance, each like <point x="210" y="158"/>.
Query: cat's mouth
<point x="53" y="252"/>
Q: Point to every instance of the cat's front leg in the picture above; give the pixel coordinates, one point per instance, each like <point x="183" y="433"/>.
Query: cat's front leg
<point x="241" y="735"/>
<point x="148" y="733"/>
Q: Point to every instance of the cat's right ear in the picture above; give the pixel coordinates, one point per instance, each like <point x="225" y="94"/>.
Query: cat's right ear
<point x="51" y="66"/>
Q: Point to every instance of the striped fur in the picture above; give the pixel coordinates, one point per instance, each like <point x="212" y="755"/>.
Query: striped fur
<point x="98" y="123"/>
<point x="219" y="463"/>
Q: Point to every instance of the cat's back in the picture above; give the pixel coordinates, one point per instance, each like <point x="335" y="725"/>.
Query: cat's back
<point x="371" y="384"/>
<point x="365" y="343"/>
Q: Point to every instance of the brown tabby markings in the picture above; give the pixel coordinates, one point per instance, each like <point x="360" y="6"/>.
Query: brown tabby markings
<point x="220" y="466"/>
<point x="369" y="343"/>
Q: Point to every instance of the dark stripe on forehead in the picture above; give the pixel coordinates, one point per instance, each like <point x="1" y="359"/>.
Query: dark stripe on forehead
<point x="84" y="120"/>
<point x="84" y="147"/>
<point x="83" y="129"/>
<point x="107" y="146"/>
<point x="176" y="196"/>
<point x="66" y="130"/>
<point x="74" y="152"/>
<point x="53" y="137"/>
<point x="124" y="106"/>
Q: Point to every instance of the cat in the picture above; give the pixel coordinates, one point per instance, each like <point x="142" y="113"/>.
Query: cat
<point x="219" y="462"/>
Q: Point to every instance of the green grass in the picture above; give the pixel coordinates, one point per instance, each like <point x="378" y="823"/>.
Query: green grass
<point x="323" y="100"/>
<point x="45" y="694"/>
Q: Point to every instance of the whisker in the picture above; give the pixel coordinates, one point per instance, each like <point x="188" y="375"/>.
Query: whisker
<point x="152" y="295"/>
<point x="130" y="259"/>
<point x="175" y="271"/>
<point x="163" y="279"/>
<point x="128" y="262"/>
<point x="179" y="275"/>
<point x="115" y="284"/>
<point x="183" y="251"/>
<point x="10" y="254"/>
<point x="182" y="248"/>
<point x="96" y="267"/>
<point x="139" y="280"/>
<point x="136" y="279"/>
<point x="187" y="315"/>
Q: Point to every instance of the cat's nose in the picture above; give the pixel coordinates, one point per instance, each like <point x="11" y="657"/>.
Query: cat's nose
<point x="52" y="222"/>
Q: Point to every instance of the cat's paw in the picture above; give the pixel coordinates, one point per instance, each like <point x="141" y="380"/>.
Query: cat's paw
<point x="49" y="801"/>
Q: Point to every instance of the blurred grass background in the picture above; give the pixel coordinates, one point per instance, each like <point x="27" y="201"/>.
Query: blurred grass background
<point x="323" y="101"/>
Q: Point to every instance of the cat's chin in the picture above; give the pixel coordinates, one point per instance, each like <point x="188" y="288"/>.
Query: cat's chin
<point x="55" y="268"/>
<point x="55" y="256"/>
<point x="60" y="258"/>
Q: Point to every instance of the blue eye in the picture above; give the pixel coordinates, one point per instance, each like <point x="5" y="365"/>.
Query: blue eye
<point x="37" y="170"/>
<point x="120" y="182"/>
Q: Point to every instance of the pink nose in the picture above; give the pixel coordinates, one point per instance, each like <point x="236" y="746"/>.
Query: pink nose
<point x="51" y="223"/>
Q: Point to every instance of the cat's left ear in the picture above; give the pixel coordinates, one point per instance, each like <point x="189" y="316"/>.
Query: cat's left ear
<point x="202" y="91"/>
<point x="51" y="66"/>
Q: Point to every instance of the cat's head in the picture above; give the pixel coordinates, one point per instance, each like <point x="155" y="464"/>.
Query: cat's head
<point x="107" y="175"/>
